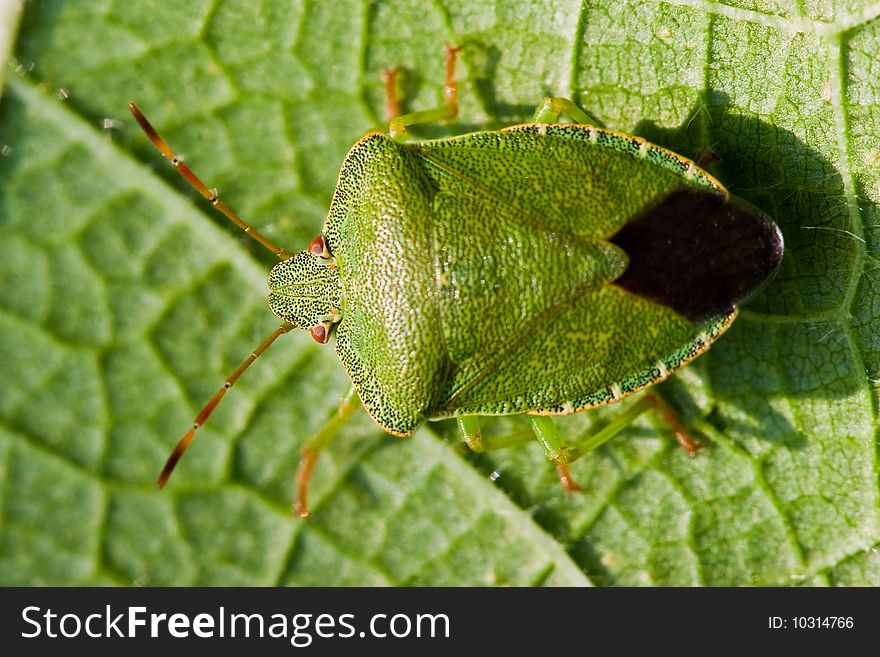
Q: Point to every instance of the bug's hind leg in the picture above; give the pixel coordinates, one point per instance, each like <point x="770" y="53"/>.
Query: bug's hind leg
<point x="446" y="112"/>
<point x="649" y="400"/>
<point x="562" y="454"/>
<point x="709" y="157"/>
<point x="671" y="418"/>
<point x="310" y="452"/>
<point x="552" y="108"/>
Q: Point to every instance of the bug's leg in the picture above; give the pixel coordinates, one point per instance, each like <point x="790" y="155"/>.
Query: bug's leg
<point x="474" y="438"/>
<point x="557" y="450"/>
<point x="550" y="438"/>
<point x="392" y="102"/>
<point x="565" y="478"/>
<point x="446" y="112"/>
<point x="208" y="408"/>
<point x="710" y="156"/>
<point x="648" y="401"/>
<point x="471" y="433"/>
<point x="552" y="108"/>
<point x="547" y="433"/>
<point x="672" y="420"/>
<point x="310" y="452"/>
<point x="618" y="424"/>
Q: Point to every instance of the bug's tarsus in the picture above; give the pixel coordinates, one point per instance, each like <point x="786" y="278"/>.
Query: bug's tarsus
<point x="208" y="408"/>
<point x="565" y="478"/>
<point x="710" y="156"/>
<point x="308" y="459"/>
<point x="671" y="418"/>
<point x="450" y="86"/>
<point x="392" y="100"/>
<point x="311" y="451"/>
<point x="197" y="184"/>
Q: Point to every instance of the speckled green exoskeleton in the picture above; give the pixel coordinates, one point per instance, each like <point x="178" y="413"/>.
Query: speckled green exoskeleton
<point x="542" y="269"/>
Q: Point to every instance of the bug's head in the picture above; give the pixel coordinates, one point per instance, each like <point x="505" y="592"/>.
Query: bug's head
<point x="305" y="291"/>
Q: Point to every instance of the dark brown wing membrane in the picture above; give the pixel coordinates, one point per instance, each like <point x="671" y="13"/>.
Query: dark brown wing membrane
<point x="699" y="254"/>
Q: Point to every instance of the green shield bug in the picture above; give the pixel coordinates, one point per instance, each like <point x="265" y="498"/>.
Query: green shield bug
<point x="542" y="269"/>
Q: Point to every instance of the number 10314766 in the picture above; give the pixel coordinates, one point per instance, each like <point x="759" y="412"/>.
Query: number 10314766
<point x="810" y="623"/>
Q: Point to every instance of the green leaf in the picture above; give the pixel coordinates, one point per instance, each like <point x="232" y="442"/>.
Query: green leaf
<point x="126" y="301"/>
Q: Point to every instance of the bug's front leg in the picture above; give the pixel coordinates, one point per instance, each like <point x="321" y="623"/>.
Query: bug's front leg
<point x="446" y="112"/>
<point x="552" y="108"/>
<point x="313" y="447"/>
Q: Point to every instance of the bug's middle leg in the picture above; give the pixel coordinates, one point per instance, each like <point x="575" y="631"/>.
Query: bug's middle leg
<point x="472" y="435"/>
<point x="548" y="435"/>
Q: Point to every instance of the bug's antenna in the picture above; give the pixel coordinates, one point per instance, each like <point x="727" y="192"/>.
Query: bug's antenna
<point x="208" y="408"/>
<point x="200" y="187"/>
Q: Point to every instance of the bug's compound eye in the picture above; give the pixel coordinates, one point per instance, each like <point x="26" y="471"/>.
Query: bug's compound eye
<point x="320" y="332"/>
<point x="318" y="247"/>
